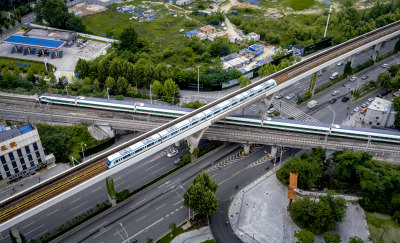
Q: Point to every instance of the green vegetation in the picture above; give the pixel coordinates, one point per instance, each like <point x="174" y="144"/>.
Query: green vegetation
<point x="195" y="105"/>
<point x="391" y="80"/>
<point x="304" y="236"/>
<point x="202" y="195"/>
<point x="209" y="241"/>
<point x="382" y="226"/>
<point x="65" y="141"/>
<point x="19" y="9"/>
<point x="175" y="232"/>
<point x="301" y="4"/>
<point x="36" y="66"/>
<point x="244" y="81"/>
<point x="331" y="238"/>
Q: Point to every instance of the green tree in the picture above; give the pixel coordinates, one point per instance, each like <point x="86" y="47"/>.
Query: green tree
<point x="55" y="144"/>
<point x="131" y="91"/>
<point x="355" y="239"/>
<point x="244" y="81"/>
<point x="172" y="228"/>
<point x="55" y="12"/>
<point x="384" y="79"/>
<point x="219" y="48"/>
<point x="200" y="195"/>
<point x="162" y="72"/>
<point x="267" y="69"/>
<point x="143" y="72"/>
<point x="171" y="89"/>
<point x="6" y="74"/>
<point x="74" y="23"/>
<point x="30" y="76"/>
<point x="396" y="103"/>
<point x="304" y="236"/>
<point x="110" y="188"/>
<point x="337" y="205"/>
<point x="331" y="238"/>
<point x="82" y="67"/>
<point x="16" y="71"/>
<point x="52" y="77"/>
<point x="110" y="82"/>
<point x="348" y="69"/>
<point x="157" y="88"/>
<point x="347" y="163"/>
<point x="96" y="85"/>
<point x="149" y="240"/>
<point x="129" y="39"/>
<point x="42" y="83"/>
<point x="122" y="84"/>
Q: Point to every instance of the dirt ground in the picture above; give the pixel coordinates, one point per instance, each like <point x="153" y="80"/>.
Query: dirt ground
<point x="85" y="9"/>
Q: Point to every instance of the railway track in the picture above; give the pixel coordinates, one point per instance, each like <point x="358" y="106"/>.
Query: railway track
<point x="57" y="185"/>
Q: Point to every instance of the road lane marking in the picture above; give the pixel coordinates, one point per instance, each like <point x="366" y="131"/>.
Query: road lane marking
<point x="137" y="203"/>
<point x="28" y="225"/>
<point x="120" y="184"/>
<point x="178" y="202"/>
<point x="104" y="231"/>
<point x="55" y="211"/>
<point x="95" y="190"/>
<point x="34" y="229"/>
<point x="117" y="179"/>
<point x="133" y="236"/>
<point x="158" y="170"/>
<point x="161" y="206"/>
<point x="72" y="209"/>
<point x="214" y="175"/>
<point x="39" y="234"/>
<point x="141" y="218"/>
<point x="98" y="226"/>
<point x="151" y="167"/>
<point x="164" y="184"/>
<point x="83" y="211"/>
<point x="231" y="176"/>
<point x="75" y="201"/>
<point x="202" y="166"/>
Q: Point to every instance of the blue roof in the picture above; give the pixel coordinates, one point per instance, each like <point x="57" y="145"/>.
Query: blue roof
<point x="2" y="128"/>
<point x="29" y="41"/>
<point x="25" y="129"/>
<point x="254" y="2"/>
<point x="192" y="32"/>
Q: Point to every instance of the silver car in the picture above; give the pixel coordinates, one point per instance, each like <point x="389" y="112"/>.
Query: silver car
<point x="289" y="96"/>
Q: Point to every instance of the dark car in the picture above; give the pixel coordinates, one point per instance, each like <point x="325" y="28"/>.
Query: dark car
<point x="344" y="99"/>
<point x="332" y="101"/>
<point x="291" y="118"/>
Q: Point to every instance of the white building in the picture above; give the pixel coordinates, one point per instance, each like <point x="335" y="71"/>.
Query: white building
<point x="253" y="36"/>
<point x="380" y="113"/>
<point x="183" y="2"/>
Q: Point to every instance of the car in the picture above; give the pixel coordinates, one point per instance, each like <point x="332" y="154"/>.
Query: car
<point x="336" y="92"/>
<point x="271" y="106"/>
<point x="332" y="101"/>
<point x="291" y="118"/>
<point x="339" y="63"/>
<point x="358" y="108"/>
<point x="279" y="96"/>
<point x="385" y="65"/>
<point x="364" y="105"/>
<point x="364" y="77"/>
<point x="172" y="152"/>
<point x="177" y="160"/>
<point x="319" y="73"/>
<point x="271" y="110"/>
<point x="353" y="78"/>
<point x="367" y="103"/>
<point x="379" y="95"/>
<point x="371" y="99"/>
<point x="344" y="99"/>
<point x="289" y="96"/>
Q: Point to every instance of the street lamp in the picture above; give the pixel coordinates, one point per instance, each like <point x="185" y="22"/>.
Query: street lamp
<point x="189" y="199"/>
<point x="82" y="150"/>
<point x="198" y="81"/>
<point x="330" y="127"/>
<point x="327" y="22"/>
<point x="334" y="114"/>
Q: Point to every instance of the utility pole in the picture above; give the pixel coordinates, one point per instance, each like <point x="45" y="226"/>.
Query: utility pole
<point x="327" y="22"/>
<point x="198" y="80"/>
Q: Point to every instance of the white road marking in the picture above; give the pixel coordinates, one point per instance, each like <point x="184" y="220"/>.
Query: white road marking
<point x="158" y="170"/>
<point x="151" y="167"/>
<point x="39" y="234"/>
<point x="164" y="184"/>
<point x="83" y="211"/>
<point x="28" y="225"/>
<point x="104" y="231"/>
<point x="178" y="202"/>
<point x="127" y="240"/>
<point x="34" y="229"/>
<point x="137" y="203"/>
<point x="98" y="226"/>
<point x="120" y="184"/>
<point x="72" y="209"/>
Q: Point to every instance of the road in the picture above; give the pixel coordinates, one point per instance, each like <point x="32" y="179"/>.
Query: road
<point x="29" y="18"/>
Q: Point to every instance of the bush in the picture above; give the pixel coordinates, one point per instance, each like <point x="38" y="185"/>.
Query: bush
<point x="122" y="195"/>
<point x="119" y="97"/>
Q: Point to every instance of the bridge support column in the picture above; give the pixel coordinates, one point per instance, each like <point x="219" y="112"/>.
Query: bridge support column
<point x="274" y="150"/>
<point x="352" y="60"/>
<point x="376" y="51"/>
<point x="246" y="148"/>
<point x="15" y="232"/>
<point x="177" y="144"/>
<point x="111" y="191"/>
<point x="193" y="142"/>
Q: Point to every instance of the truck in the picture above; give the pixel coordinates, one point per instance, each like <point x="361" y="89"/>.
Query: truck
<point x="311" y="104"/>
<point x="334" y="75"/>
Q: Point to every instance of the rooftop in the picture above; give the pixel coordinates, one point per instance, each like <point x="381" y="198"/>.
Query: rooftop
<point x="53" y="34"/>
<point x="14" y="132"/>
<point x="379" y="104"/>
<point x="36" y="42"/>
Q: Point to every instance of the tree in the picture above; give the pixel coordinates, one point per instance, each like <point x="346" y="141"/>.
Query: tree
<point x="200" y="195"/>
<point x="384" y="79"/>
<point x="16" y="71"/>
<point x="304" y="236"/>
<point x="96" y="85"/>
<point x="348" y="69"/>
<point x="143" y="71"/>
<point x="52" y="77"/>
<point x="122" y="84"/>
<point x="75" y="23"/>
<point x="110" y="82"/>
<point x="219" y="48"/>
<point x="55" y="12"/>
<point x="131" y="91"/>
<point x="30" y="76"/>
<point x="157" y="88"/>
<point x="162" y="72"/>
<point x="267" y="69"/>
<point x="129" y="39"/>
<point x="355" y="239"/>
<point x="331" y="238"/>
<point x="396" y="103"/>
<point x="149" y="240"/>
<point x="172" y="228"/>
<point x="337" y="205"/>
<point x="42" y="83"/>
<point x="244" y="81"/>
<point x="82" y="67"/>
<point x="171" y="89"/>
<point x="55" y="144"/>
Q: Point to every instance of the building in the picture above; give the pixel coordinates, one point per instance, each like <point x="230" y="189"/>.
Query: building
<point x="208" y="29"/>
<point x="298" y="50"/>
<point x="380" y="113"/>
<point x="253" y="36"/>
<point x="20" y="152"/>
<point x="191" y="33"/>
<point x="183" y="2"/>
<point x="53" y="34"/>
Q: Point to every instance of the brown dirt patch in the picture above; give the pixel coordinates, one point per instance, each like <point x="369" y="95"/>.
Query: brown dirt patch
<point x="86" y="9"/>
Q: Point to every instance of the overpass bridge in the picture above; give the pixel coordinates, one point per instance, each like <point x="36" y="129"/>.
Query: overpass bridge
<point x="31" y="202"/>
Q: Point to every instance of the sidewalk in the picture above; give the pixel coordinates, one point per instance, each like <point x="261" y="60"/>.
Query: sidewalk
<point x="198" y="235"/>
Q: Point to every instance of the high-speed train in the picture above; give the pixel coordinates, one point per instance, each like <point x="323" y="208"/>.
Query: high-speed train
<point x="173" y="111"/>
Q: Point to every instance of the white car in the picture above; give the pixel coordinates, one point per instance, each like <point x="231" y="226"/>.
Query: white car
<point x="353" y="78"/>
<point x="173" y="152"/>
<point x="385" y="65"/>
<point x="371" y="99"/>
<point x="319" y="73"/>
<point x="272" y="110"/>
<point x="339" y="63"/>
<point x="334" y="93"/>
<point x="289" y="96"/>
<point x="278" y="96"/>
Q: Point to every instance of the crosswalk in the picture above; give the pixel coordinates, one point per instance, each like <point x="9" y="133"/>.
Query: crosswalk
<point x="291" y="111"/>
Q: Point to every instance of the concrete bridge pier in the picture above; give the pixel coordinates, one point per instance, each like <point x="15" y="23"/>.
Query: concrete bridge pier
<point x="15" y="232"/>
<point x="177" y="144"/>
<point x="376" y="51"/>
<point x="193" y="142"/>
<point x="246" y="148"/>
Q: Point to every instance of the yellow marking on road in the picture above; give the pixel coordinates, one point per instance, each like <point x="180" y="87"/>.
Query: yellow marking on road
<point x="160" y="207"/>
<point x="75" y="201"/>
<point x="117" y="179"/>
<point x="52" y="212"/>
<point x="214" y="175"/>
<point x="118" y="232"/>
<point x="28" y="225"/>
<point x="141" y="218"/>
<point x="95" y="190"/>
<point x="231" y="176"/>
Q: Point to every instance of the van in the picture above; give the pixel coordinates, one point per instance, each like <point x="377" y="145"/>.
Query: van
<point x="334" y="75"/>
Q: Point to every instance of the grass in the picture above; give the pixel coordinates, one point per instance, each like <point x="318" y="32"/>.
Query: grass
<point x="301" y="4"/>
<point x="167" y="238"/>
<point x="377" y="223"/>
<point x="35" y="66"/>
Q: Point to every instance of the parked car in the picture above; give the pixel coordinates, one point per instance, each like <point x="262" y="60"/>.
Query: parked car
<point x="279" y="96"/>
<point x="385" y="65"/>
<point x="336" y="92"/>
<point x="371" y="99"/>
<point x="344" y="99"/>
<point x="353" y="78"/>
<point x="271" y="110"/>
<point x="289" y="96"/>
<point x="364" y="77"/>
<point x="291" y="118"/>
<point x="332" y="101"/>
<point x="319" y="73"/>
<point x="339" y="63"/>
<point x="173" y="152"/>
<point x="358" y="108"/>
